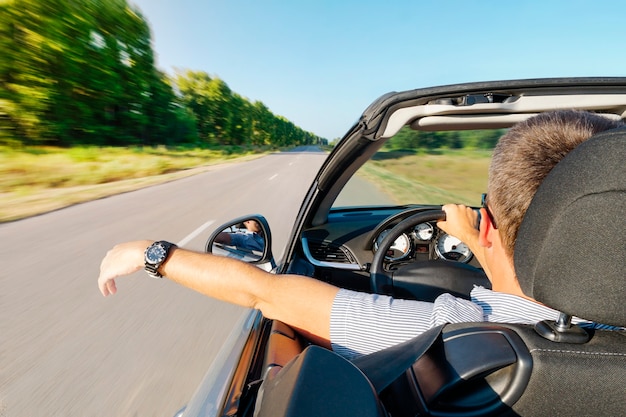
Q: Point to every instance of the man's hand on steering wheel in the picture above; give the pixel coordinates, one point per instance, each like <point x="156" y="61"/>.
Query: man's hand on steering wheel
<point x="461" y="222"/>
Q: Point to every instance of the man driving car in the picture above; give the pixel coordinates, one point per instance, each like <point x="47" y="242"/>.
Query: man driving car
<point x="355" y="323"/>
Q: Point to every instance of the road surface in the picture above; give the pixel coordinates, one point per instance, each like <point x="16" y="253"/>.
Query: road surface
<point x="68" y="351"/>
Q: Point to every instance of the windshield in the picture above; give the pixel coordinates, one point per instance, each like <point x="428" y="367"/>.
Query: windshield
<point x="424" y="168"/>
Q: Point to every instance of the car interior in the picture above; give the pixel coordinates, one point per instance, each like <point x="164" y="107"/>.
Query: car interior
<point x="569" y="255"/>
<point x="492" y="369"/>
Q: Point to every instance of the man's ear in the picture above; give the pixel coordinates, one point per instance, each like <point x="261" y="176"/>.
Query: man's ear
<point x="486" y="230"/>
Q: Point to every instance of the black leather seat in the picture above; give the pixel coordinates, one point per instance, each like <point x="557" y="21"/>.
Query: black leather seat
<point x="570" y="254"/>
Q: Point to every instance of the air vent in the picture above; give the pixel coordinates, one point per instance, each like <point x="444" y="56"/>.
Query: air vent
<point x="327" y="254"/>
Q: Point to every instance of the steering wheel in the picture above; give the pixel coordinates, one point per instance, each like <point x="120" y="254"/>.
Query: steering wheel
<point x="424" y="280"/>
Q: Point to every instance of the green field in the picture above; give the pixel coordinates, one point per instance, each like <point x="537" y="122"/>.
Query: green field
<point x="443" y="177"/>
<point x="35" y="180"/>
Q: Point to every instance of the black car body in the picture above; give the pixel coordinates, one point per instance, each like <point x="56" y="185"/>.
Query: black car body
<point x="267" y="367"/>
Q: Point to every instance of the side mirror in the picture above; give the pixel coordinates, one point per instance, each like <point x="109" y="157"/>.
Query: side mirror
<point x="247" y="238"/>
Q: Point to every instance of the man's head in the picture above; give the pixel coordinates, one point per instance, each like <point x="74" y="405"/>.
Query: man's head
<point x="525" y="155"/>
<point x="253" y="226"/>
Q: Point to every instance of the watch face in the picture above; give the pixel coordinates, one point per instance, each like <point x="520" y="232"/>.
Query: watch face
<point x="155" y="254"/>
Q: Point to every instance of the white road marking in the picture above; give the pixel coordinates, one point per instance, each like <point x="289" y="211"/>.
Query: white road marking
<point x="273" y="176"/>
<point x="195" y="233"/>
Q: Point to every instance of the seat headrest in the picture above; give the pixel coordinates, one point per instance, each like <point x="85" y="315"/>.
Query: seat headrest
<point x="570" y="252"/>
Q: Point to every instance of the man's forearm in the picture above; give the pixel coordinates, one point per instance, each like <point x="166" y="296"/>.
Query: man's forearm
<point x="302" y="302"/>
<point x="221" y="278"/>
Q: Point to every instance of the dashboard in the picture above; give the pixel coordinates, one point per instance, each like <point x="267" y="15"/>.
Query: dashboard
<point x="342" y="249"/>
<point x="425" y="238"/>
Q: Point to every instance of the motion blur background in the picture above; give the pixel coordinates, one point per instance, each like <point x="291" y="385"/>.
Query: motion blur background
<point x="102" y="97"/>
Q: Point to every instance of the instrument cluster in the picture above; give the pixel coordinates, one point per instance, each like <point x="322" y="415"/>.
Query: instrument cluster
<point x="425" y="239"/>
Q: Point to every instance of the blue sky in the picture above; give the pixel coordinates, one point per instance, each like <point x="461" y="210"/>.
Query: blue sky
<point x="319" y="63"/>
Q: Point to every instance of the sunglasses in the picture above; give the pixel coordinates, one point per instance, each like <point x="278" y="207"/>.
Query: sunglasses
<point x="483" y="203"/>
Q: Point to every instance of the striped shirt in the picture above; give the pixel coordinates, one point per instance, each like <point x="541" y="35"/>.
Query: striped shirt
<point x="362" y="323"/>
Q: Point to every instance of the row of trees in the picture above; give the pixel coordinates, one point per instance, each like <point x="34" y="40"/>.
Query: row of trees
<point x="225" y="117"/>
<point x="83" y="72"/>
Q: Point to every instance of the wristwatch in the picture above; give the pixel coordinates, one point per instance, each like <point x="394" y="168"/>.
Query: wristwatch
<point x="155" y="255"/>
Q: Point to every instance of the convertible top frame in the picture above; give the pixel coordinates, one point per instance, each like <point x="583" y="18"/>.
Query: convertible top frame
<point x="497" y="104"/>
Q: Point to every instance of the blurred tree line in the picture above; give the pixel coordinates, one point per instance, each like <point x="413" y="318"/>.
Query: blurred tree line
<point x="82" y="72"/>
<point x="410" y="139"/>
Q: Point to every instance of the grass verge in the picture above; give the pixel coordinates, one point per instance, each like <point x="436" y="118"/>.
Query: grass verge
<point x="36" y="180"/>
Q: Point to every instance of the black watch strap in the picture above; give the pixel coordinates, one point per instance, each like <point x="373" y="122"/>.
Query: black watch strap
<point x="152" y="266"/>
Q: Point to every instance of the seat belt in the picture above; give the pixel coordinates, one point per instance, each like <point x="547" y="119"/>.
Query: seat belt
<point x="385" y="366"/>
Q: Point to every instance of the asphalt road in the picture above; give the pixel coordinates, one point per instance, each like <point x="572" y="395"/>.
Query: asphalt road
<point x="67" y="351"/>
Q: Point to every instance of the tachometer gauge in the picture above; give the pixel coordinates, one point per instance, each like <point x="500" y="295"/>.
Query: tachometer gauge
<point x="400" y="248"/>
<point x="424" y="231"/>
<point x="452" y="249"/>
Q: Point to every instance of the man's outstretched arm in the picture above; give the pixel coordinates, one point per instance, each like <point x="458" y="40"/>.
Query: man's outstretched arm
<point x="301" y="302"/>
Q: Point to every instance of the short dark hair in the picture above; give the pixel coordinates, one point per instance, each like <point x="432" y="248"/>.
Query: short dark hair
<point x="526" y="154"/>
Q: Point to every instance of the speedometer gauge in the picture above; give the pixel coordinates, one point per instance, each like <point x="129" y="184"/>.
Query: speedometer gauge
<point x="424" y="231"/>
<point x="400" y="248"/>
<point x="452" y="249"/>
